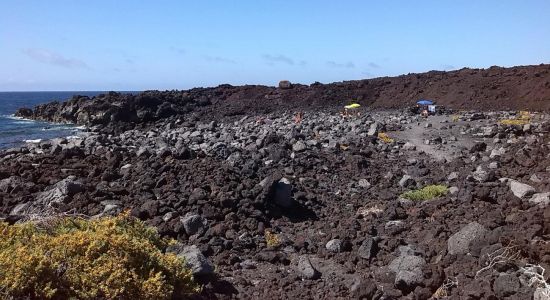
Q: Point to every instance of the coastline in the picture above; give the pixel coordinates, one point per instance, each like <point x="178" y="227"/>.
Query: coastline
<point x="285" y="194"/>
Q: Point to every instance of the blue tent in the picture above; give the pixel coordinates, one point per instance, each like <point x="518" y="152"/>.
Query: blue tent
<point x="424" y="102"/>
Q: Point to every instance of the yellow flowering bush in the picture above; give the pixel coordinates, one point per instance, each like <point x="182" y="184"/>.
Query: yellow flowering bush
<point x="384" y="137"/>
<point x="272" y="239"/>
<point x="110" y="258"/>
<point x="523" y="118"/>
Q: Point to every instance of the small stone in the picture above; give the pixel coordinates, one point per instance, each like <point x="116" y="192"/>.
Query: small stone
<point x="373" y="129"/>
<point x="493" y="165"/>
<point x="481" y="175"/>
<point x="535" y="178"/>
<point x="409" y="146"/>
<point x="367" y="249"/>
<point x="193" y="224"/>
<point x="197" y="195"/>
<point x="299" y="146"/>
<point x="453" y="190"/>
<point x="109" y="207"/>
<point x="478" y="147"/>
<point x="521" y="190"/>
<point x="412" y="161"/>
<point x="334" y="246"/>
<point x="497" y="152"/>
<point x="541" y="199"/>
<point x="168" y="216"/>
<point x="364" y="183"/>
<point x="306" y="269"/>
<point x="19" y="209"/>
<point x="126" y="166"/>
<point x="248" y="264"/>
<point x="142" y="152"/>
<point x="406" y="181"/>
<point x="461" y="242"/>
<point x="285" y="84"/>
<point x="196" y="261"/>
<point x="452" y="176"/>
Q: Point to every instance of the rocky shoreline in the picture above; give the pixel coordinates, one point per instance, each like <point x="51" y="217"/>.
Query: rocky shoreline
<point x="274" y="204"/>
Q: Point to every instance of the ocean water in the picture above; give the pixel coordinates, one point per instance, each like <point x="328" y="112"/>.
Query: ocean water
<point x="14" y="131"/>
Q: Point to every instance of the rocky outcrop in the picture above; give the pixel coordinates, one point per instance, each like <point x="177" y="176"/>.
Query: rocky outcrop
<point x="504" y="88"/>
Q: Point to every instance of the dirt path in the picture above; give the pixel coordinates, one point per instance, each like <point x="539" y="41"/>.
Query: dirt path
<point x="440" y="127"/>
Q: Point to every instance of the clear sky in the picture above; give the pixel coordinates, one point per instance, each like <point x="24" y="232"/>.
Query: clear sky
<point x="137" y="45"/>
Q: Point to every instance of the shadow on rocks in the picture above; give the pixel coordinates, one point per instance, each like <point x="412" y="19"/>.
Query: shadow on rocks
<point x="214" y="288"/>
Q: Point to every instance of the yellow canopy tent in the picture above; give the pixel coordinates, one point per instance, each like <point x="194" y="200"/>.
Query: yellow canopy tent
<point x="351" y="106"/>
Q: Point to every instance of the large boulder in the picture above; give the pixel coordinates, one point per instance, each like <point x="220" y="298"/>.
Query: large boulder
<point x="283" y="193"/>
<point x="196" y="261"/>
<point x="408" y="269"/>
<point x="506" y="285"/>
<point x="60" y="192"/>
<point x="285" y="84"/>
<point x="306" y="269"/>
<point x="462" y="241"/>
<point x="194" y="224"/>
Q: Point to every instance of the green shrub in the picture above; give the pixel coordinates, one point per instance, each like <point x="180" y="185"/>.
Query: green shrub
<point x="426" y="193"/>
<point x="112" y="257"/>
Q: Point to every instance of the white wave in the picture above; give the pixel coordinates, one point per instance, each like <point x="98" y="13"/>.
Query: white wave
<point x="13" y="117"/>
<point x="33" y="141"/>
<point x="19" y="120"/>
<point x="55" y="128"/>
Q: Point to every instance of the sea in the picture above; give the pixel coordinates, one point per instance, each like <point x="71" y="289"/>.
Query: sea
<point x="16" y="131"/>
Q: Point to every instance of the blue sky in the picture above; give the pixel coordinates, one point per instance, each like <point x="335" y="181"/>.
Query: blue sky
<point x="137" y="45"/>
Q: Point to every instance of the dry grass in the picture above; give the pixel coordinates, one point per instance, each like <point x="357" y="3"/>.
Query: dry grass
<point x="444" y="290"/>
<point x="533" y="274"/>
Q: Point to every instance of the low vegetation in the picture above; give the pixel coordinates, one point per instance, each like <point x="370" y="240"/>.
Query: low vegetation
<point x="523" y="118"/>
<point x="426" y="193"/>
<point x="69" y="257"/>
<point x="385" y="138"/>
<point x="272" y="239"/>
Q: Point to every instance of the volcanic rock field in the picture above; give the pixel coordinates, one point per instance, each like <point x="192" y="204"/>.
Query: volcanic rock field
<point x="273" y="194"/>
